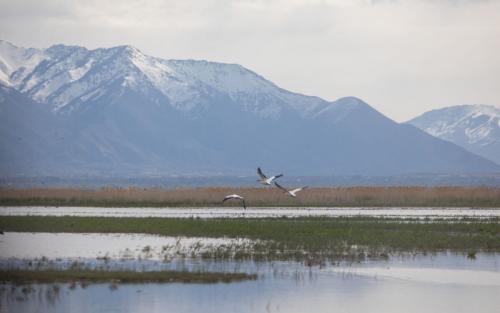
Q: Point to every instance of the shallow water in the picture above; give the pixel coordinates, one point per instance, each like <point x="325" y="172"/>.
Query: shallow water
<point x="111" y="246"/>
<point x="443" y="282"/>
<point x="432" y="213"/>
<point x="318" y="291"/>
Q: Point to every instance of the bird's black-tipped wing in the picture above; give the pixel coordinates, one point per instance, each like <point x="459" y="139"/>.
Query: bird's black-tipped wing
<point x="259" y="171"/>
<point x="277" y="176"/>
<point x="280" y="187"/>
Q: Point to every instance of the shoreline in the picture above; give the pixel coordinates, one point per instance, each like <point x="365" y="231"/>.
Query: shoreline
<point x="254" y="212"/>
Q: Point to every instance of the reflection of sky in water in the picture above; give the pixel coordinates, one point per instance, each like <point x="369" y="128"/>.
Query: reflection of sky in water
<point x="91" y="245"/>
<point x="326" y="293"/>
<point x="438" y="213"/>
<point x="444" y="282"/>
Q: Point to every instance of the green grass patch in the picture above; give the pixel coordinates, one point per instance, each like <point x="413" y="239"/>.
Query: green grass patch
<point x="96" y="276"/>
<point x="288" y="237"/>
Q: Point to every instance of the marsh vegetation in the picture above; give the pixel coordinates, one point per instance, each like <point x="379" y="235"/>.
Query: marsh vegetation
<point x="292" y="238"/>
<point x="85" y="276"/>
<point x="256" y="197"/>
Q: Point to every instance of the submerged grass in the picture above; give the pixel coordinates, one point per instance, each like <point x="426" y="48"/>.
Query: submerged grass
<point x="293" y="238"/>
<point x="211" y="197"/>
<point x="97" y="276"/>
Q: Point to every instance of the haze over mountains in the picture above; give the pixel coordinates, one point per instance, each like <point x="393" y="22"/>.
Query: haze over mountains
<point x="67" y="111"/>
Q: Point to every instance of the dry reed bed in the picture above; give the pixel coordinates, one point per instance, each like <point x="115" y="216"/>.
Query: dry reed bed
<point x="271" y="196"/>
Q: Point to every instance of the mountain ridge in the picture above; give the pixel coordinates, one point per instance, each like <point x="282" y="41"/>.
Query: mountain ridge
<point x="133" y="63"/>
<point x="123" y="112"/>
<point x="473" y="127"/>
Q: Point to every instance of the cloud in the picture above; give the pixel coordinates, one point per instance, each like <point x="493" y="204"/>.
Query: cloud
<point x="402" y="56"/>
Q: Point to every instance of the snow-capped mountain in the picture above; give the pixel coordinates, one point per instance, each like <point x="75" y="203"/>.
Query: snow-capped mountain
<point x="119" y="111"/>
<point x="17" y="59"/>
<point x="65" y="76"/>
<point x="474" y="127"/>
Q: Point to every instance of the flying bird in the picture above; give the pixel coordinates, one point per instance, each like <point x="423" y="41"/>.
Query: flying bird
<point x="292" y="193"/>
<point x="264" y="180"/>
<point x="235" y="196"/>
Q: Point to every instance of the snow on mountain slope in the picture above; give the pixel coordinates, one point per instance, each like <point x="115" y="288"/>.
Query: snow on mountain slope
<point x="474" y="127"/>
<point x="68" y="74"/>
<point x="17" y="61"/>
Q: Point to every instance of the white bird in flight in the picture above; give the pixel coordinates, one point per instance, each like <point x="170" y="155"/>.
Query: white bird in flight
<point x="292" y="193"/>
<point x="264" y="180"/>
<point x="235" y="196"/>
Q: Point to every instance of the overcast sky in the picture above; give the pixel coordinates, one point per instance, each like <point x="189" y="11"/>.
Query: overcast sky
<point x="403" y="57"/>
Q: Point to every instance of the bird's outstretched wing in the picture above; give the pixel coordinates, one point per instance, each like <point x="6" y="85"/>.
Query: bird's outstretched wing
<point x="259" y="171"/>
<point x="235" y="196"/>
<point x="280" y="187"/>
<point x="276" y="176"/>
<point x="298" y="189"/>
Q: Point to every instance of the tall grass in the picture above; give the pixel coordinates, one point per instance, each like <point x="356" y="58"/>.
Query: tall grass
<point x="322" y="197"/>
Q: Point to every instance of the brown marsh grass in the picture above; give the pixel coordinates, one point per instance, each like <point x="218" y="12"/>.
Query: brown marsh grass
<point x="271" y="196"/>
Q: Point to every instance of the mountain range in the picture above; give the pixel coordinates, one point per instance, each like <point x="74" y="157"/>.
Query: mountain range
<point x="474" y="127"/>
<point x="69" y="111"/>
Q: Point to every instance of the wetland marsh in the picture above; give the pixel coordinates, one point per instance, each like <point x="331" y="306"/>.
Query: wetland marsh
<point x="264" y="259"/>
